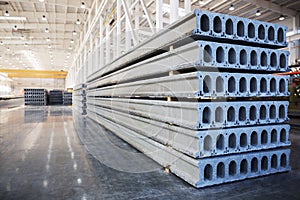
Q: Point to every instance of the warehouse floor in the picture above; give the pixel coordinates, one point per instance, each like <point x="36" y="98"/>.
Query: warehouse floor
<point x="42" y="157"/>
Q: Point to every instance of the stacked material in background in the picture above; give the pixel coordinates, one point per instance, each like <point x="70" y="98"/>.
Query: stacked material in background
<point x="35" y="96"/>
<point x="79" y="98"/>
<point x="55" y="97"/>
<point x="67" y="98"/>
<point x="205" y="102"/>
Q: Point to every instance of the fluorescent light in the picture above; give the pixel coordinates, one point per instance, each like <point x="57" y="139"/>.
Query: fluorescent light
<point x="13" y="18"/>
<point x="258" y="13"/>
<point x="6" y="13"/>
<point x="281" y="17"/>
<point x="201" y="2"/>
<point x="82" y="5"/>
<point x="41" y="0"/>
<point x="231" y="8"/>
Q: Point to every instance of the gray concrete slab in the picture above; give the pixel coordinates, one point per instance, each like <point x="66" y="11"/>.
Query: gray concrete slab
<point x="44" y="159"/>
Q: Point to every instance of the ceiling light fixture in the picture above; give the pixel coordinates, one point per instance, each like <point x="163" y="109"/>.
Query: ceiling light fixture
<point x="77" y="21"/>
<point x="71" y="41"/>
<point x="15" y="27"/>
<point x="26" y="45"/>
<point x="46" y="30"/>
<point x="8" y="49"/>
<point x="41" y="0"/>
<point x="82" y="5"/>
<point x="74" y="32"/>
<point x="48" y="39"/>
<point x="6" y="13"/>
<point x="281" y="18"/>
<point x="49" y="46"/>
<point x="44" y="18"/>
<point x="70" y="47"/>
<point x="231" y="8"/>
<point x="1" y="42"/>
<point x="201" y="2"/>
<point x="22" y="37"/>
<point x="258" y="13"/>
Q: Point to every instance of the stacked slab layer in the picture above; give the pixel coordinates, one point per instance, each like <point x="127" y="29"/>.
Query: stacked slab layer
<point x="35" y="96"/>
<point x="204" y="102"/>
<point x="79" y="98"/>
<point x="67" y="98"/>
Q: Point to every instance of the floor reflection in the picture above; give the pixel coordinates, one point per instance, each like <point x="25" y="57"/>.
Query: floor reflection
<point x="35" y="114"/>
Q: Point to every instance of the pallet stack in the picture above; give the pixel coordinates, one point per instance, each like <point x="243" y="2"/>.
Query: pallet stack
<point x="205" y="103"/>
<point x="55" y="97"/>
<point x="67" y="98"/>
<point x="35" y="96"/>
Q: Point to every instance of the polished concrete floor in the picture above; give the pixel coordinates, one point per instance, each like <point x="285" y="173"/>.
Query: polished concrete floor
<point x="43" y="157"/>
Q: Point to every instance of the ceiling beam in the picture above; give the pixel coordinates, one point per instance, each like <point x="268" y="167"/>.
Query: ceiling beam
<point x="70" y="3"/>
<point x="37" y="35"/>
<point x="14" y="73"/>
<point x="36" y="15"/>
<point x="273" y="7"/>
<point x="36" y="42"/>
<point x="52" y="27"/>
<point x="217" y="4"/>
<point x="293" y="37"/>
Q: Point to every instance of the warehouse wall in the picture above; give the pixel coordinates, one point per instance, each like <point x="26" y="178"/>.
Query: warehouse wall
<point x="20" y="83"/>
